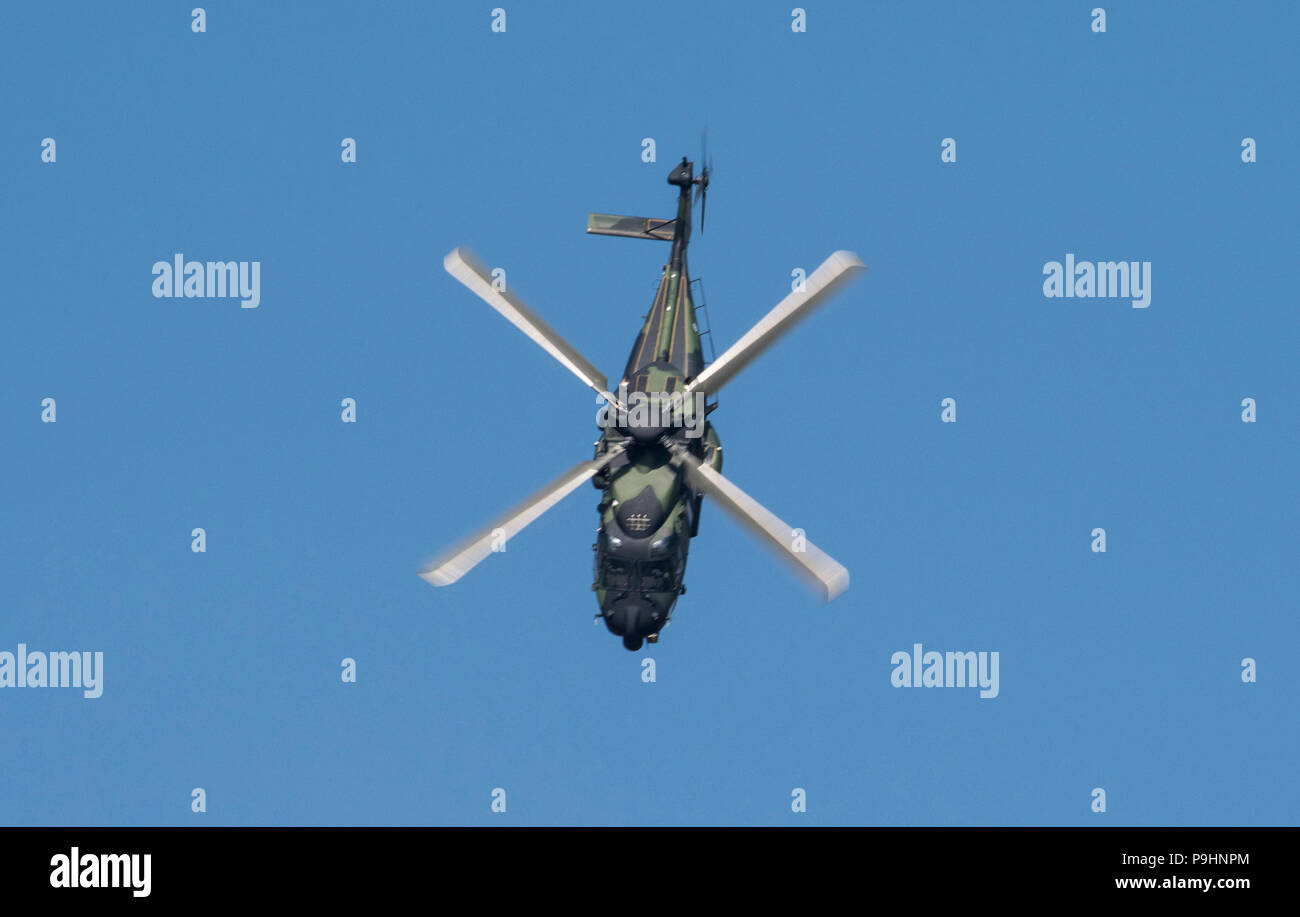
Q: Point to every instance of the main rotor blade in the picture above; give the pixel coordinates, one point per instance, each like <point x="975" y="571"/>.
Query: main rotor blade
<point x="458" y="560"/>
<point x="465" y="267"/>
<point x="833" y="273"/>
<point x="823" y="573"/>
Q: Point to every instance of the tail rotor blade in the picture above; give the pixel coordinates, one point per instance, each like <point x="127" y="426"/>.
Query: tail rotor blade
<point x="706" y="171"/>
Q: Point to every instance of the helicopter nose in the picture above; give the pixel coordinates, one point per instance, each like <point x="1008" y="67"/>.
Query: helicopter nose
<point x="630" y="619"/>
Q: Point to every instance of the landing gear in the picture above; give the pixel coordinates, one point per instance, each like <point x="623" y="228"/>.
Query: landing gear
<point x="631" y="644"/>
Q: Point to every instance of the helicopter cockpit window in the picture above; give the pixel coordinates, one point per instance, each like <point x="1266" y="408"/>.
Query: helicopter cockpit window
<point x="616" y="575"/>
<point x="656" y="576"/>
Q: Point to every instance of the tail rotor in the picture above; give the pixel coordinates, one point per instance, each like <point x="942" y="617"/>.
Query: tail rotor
<point x="702" y="180"/>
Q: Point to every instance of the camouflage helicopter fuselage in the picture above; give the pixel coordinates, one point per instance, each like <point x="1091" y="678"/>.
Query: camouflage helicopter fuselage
<point x="648" y="512"/>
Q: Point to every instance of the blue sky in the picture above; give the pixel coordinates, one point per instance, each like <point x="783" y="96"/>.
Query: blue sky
<point x="222" y="670"/>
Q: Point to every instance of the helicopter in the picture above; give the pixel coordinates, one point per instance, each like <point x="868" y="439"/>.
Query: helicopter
<point x="658" y="455"/>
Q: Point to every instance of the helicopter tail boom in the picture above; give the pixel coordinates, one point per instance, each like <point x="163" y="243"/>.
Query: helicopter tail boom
<point x="610" y="224"/>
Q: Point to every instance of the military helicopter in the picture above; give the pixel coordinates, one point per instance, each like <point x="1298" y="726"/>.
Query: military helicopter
<point x="658" y="455"/>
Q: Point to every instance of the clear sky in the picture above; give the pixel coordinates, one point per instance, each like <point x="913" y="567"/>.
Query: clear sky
<point x="1120" y="670"/>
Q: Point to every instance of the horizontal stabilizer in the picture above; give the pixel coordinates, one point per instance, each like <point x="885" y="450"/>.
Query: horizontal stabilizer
<point x="609" y="224"/>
